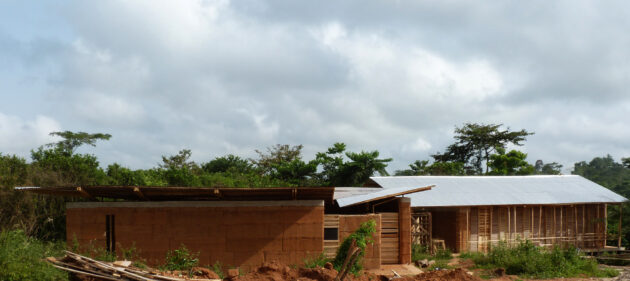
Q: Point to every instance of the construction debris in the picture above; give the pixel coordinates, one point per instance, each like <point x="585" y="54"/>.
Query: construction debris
<point x="98" y="270"/>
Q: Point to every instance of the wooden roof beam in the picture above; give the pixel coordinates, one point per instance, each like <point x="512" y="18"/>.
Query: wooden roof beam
<point x="84" y="193"/>
<point x="136" y="190"/>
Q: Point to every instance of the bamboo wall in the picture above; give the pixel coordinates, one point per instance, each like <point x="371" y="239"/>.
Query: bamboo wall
<point x="581" y="225"/>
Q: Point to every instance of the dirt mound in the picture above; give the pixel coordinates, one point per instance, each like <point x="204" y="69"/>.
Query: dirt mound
<point x="274" y="271"/>
<point x="442" y="275"/>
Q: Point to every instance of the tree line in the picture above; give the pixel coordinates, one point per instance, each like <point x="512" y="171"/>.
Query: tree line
<point x="477" y="149"/>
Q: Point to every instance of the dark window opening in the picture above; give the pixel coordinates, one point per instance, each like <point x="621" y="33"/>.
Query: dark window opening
<point x="331" y="233"/>
<point x="110" y="234"/>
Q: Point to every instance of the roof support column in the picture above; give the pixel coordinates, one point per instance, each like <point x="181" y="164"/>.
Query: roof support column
<point x="404" y="230"/>
<point x="620" y="214"/>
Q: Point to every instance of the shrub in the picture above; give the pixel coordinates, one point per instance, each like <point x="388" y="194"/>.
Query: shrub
<point x="21" y="257"/>
<point x="217" y="267"/>
<point x="181" y="259"/>
<point x="316" y="261"/>
<point x="419" y="252"/>
<point x="443" y="254"/>
<point x="363" y="236"/>
<point x="528" y="260"/>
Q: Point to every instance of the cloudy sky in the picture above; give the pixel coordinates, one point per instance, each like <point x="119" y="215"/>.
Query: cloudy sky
<point x="223" y="77"/>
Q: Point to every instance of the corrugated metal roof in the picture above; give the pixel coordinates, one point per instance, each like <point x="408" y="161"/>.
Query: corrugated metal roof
<point x="501" y="190"/>
<point x="343" y="192"/>
<point x="361" y="195"/>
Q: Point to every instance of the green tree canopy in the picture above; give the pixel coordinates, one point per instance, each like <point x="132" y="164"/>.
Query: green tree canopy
<point x="71" y="140"/>
<point x="474" y="143"/>
<point x="336" y="171"/>
<point x="511" y="163"/>
<point x="228" y="163"/>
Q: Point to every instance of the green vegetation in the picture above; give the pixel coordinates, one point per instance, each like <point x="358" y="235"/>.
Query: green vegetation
<point x="530" y="261"/>
<point x="21" y="257"/>
<point x="181" y="259"/>
<point x="441" y="257"/>
<point x="362" y="236"/>
<point x="316" y="261"/>
<point x="217" y="267"/>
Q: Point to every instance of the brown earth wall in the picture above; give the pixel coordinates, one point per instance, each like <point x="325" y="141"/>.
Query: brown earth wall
<point x="349" y="223"/>
<point x="242" y="235"/>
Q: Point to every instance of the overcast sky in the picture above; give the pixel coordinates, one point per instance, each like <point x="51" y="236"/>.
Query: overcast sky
<point x="222" y="77"/>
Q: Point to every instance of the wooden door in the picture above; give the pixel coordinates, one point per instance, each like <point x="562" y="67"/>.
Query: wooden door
<point x="484" y="226"/>
<point x="389" y="238"/>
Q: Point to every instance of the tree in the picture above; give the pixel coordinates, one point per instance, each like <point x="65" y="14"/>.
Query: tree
<point x="178" y="161"/>
<point x="626" y="162"/>
<point x="71" y="141"/>
<point x="284" y="162"/>
<point x="476" y="142"/>
<point x="228" y="163"/>
<point x="511" y="163"/>
<point x="179" y="170"/>
<point x="354" y="172"/>
<point x="422" y="168"/>
<point x="13" y="171"/>
<point x="614" y="176"/>
<point x="552" y="168"/>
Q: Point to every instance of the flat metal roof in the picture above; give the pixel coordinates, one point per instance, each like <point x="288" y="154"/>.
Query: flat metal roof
<point x="155" y="193"/>
<point x="500" y="190"/>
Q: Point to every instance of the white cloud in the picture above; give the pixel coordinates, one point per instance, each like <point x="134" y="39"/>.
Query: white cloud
<point x="19" y="135"/>
<point x="229" y="77"/>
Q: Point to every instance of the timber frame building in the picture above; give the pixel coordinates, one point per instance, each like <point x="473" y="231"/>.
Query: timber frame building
<point x="244" y="227"/>
<point x="471" y="213"/>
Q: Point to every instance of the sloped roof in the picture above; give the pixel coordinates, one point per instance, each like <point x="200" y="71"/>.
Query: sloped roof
<point x="501" y="190"/>
<point x="364" y="195"/>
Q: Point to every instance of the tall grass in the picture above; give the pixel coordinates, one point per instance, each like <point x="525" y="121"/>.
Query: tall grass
<point x="21" y="257"/>
<point x="531" y="261"/>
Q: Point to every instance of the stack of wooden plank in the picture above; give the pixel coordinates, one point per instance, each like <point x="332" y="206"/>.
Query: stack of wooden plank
<point x="120" y="270"/>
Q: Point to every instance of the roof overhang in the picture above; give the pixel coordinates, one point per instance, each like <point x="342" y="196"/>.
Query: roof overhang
<point x="379" y="194"/>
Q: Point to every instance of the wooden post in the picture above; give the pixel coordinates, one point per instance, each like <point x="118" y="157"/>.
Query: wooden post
<point x="597" y="227"/>
<point x="561" y="227"/>
<point x="540" y="212"/>
<point x="509" y="238"/>
<point x="555" y="231"/>
<point x="620" y="215"/>
<point x="468" y="228"/>
<point x="575" y="219"/>
<point x="490" y="238"/>
<point x="583" y="225"/>
<point x="531" y="230"/>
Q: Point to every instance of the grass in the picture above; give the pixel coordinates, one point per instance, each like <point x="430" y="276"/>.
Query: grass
<point x="21" y="257"/>
<point x="441" y="257"/>
<point x="316" y="261"/>
<point x="530" y="261"/>
<point x="217" y="267"/>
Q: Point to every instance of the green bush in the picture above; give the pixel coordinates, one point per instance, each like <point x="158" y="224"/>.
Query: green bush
<point x="363" y="236"/>
<point x="419" y="252"/>
<point x="443" y="254"/>
<point x="531" y="261"/>
<point x="316" y="261"/>
<point x="217" y="267"/>
<point x="181" y="259"/>
<point x="21" y="258"/>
